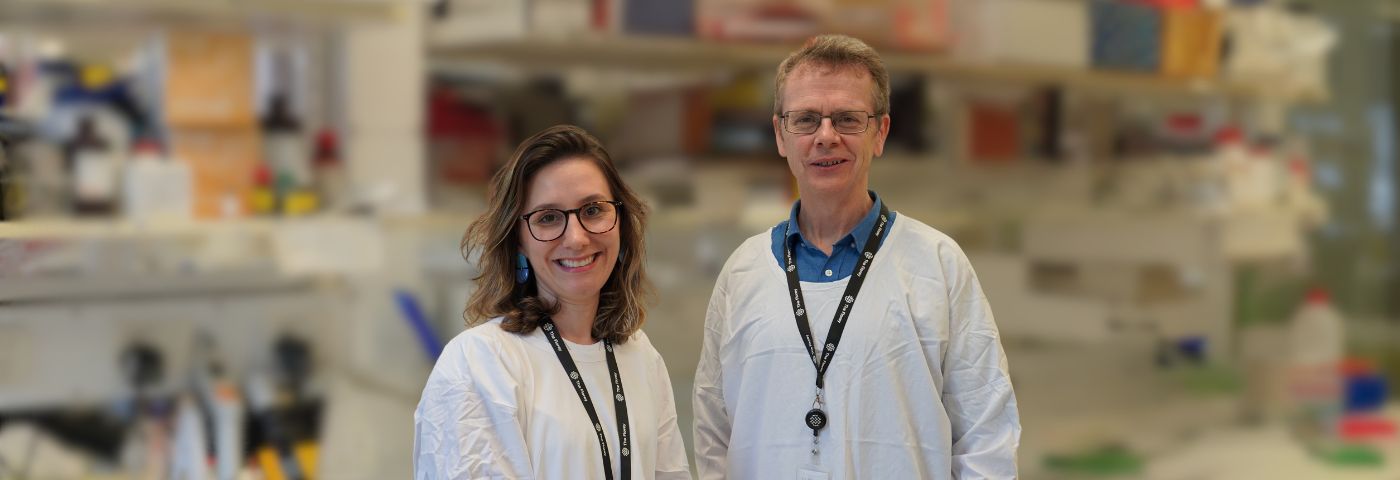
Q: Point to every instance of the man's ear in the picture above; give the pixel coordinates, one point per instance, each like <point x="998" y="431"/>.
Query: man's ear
<point x="778" y="136"/>
<point x="881" y="134"/>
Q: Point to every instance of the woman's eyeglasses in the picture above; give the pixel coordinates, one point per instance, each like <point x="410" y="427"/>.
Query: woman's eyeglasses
<point x="548" y="224"/>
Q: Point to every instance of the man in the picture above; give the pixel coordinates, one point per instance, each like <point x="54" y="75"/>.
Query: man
<point x="848" y="342"/>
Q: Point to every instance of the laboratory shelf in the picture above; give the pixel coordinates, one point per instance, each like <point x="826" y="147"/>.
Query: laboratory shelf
<point x="196" y="12"/>
<point x="676" y="54"/>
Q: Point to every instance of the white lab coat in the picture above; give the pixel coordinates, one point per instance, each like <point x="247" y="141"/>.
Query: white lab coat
<point x="499" y="405"/>
<point x="918" y="387"/>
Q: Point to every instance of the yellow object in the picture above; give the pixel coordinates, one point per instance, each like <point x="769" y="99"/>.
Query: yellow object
<point x="95" y="76"/>
<point x="4" y="84"/>
<point x="746" y="91"/>
<point x="300" y="202"/>
<point x="308" y="454"/>
<point x="262" y="201"/>
<point x="1191" y="40"/>
<point x="270" y="464"/>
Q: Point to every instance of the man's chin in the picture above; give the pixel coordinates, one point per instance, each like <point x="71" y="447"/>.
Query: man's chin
<point x="826" y="187"/>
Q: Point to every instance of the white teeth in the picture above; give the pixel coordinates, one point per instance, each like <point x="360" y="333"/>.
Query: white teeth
<point x="578" y="263"/>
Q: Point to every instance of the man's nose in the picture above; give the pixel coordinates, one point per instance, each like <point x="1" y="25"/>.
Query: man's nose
<point x="826" y="135"/>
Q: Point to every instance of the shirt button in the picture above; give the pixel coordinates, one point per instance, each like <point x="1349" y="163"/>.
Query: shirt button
<point x="828" y="272"/>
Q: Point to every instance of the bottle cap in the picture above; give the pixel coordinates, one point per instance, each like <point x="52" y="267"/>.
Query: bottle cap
<point x="1319" y="295"/>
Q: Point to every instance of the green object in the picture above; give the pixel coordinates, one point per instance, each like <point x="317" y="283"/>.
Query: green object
<point x="1104" y="461"/>
<point x="1267" y="294"/>
<point x="1209" y="379"/>
<point x="1353" y="456"/>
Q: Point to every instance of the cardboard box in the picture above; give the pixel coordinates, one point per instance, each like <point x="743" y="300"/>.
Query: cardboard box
<point x="995" y="133"/>
<point x="222" y="163"/>
<point x="1126" y="36"/>
<point x="659" y="18"/>
<point x="1039" y="32"/>
<point x="470" y="21"/>
<point x="1191" y="41"/>
<point x="474" y="21"/>
<point x="209" y="80"/>
<point x="921" y="25"/>
<point x="760" y="20"/>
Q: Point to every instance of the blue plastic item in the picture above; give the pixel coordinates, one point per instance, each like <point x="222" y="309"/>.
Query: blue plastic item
<point x="1365" y="392"/>
<point x="1192" y="348"/>
<point x="413" y="314"/>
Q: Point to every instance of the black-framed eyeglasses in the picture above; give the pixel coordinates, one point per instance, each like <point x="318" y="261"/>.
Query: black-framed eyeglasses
<point x="548" y="224"/>
<point x="806" y="122"/>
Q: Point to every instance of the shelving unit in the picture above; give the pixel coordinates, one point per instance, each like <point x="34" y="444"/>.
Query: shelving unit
<point x="112" y="228"/>
<point x="673" y="54"/>
<point x="32" y="12"/>
<point x="149" y="288"/>
<point x="120" y="228"/>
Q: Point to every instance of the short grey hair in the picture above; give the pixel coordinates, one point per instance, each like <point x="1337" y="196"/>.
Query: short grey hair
<point x="836" y="52"/>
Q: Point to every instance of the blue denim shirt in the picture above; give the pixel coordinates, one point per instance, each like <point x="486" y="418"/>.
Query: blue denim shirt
<point x="812" y="264"/>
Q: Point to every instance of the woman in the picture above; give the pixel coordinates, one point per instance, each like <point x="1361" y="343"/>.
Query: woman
<point x="555" y="378"/>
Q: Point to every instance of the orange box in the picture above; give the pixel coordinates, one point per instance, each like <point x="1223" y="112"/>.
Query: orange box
<point x="994" y="136"/>
<point x="209" y="80"/>
<point x="922" y="25"/>
<point x="918" y="25"/>
<point x="1191" y="41"/>
<point x="223" y="162"/>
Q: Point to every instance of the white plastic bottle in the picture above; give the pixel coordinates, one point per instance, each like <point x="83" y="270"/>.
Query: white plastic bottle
<point x="188" y="446"/>
<point x="1317" y="338"/>
<point x="1318" y="335"/>
<point x="157" y="188"/>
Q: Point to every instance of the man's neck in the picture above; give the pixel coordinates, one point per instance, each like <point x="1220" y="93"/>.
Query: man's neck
<point x="823" y="220"/>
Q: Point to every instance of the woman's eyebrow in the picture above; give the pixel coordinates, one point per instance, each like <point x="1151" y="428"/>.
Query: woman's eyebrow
<point x="589" y="199"/>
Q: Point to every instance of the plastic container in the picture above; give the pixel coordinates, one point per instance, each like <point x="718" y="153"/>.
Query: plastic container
<point x="1317" y="342"/>
<point x="156" y="187"/>
<point x="1317" y="333"/>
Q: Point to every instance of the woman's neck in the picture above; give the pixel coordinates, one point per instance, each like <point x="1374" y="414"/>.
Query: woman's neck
<point x="575" y="320"/>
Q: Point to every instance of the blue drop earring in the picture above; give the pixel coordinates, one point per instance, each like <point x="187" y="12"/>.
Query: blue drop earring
<point x="522" y="268"/>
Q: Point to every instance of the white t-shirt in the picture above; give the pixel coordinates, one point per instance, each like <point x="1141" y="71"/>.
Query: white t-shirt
<point x="499" y="405"/>
<point x="918" y="387"/>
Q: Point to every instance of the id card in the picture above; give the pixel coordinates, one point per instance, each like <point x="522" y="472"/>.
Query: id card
<point x="809" y="472"/>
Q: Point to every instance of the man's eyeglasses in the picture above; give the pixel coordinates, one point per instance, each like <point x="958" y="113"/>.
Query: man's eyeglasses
<point x="548" y="224"/>
<point x="805" y="122"/>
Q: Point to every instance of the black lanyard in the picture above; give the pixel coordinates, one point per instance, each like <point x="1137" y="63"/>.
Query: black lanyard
<point x="619" y="400"/>
<point x="816" y="418"/>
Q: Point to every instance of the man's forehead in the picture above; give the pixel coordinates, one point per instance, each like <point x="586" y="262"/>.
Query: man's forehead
<point x="858" y="99"/>
<point x="823" y="69"/>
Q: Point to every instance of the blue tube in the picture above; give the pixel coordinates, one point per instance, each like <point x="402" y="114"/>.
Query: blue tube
<point x="413" y="314"/>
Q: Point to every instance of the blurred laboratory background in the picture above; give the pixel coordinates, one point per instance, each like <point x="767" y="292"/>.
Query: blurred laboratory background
<point x="230" y="229"/>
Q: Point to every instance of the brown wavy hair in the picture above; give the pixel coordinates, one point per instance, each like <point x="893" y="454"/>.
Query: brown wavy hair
<point x="495" y="235"/>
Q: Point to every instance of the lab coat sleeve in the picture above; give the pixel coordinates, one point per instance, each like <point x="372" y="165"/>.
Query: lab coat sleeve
<point x="466" y="426"/>
<point x="711" y="418"/>
<point x="977" y="390"/>
<point x="671" y="463"/>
